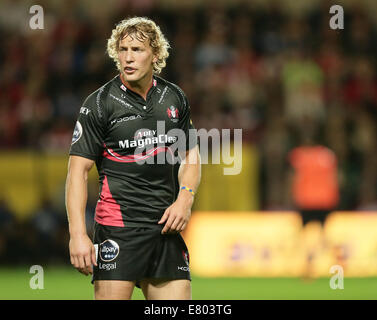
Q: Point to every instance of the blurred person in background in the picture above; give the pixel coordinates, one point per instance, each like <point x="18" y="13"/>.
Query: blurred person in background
<point x="314" y="186"/>
<point x="138" y="216"/>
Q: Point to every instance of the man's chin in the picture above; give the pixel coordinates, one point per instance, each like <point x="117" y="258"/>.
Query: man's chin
<point x="130" y="77"/>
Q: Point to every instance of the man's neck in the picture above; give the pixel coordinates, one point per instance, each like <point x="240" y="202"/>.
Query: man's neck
<point x="141" y="87"/>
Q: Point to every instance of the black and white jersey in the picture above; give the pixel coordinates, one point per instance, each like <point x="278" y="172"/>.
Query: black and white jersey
<point x="131" y="139"/>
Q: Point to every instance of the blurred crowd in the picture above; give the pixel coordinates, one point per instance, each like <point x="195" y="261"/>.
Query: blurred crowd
<point x="278" y="77"/>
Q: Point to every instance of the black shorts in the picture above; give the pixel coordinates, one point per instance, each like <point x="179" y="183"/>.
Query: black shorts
<point x="137" y="253"/>
<point x="314" y="215"/>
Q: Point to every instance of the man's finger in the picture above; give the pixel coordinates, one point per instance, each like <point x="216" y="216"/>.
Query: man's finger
<point x="174" y="226"/>
<point x="165" y="216"/>
<point x="88" y="264"/>
<point x="81" y="262"/>
<point x="82" y="267"/>
<point x="183" y="226"/>
<point x="168" y="225"/>
<point x="74" y="261"/>
<point x="180" y="226"/>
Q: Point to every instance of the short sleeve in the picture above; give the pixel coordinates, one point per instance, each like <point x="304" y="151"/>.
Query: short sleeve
<point x="89" y="133"/>
<point x="187" y="125"/>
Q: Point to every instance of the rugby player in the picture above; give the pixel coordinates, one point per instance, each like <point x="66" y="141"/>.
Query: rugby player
<point x="139" y="215"/>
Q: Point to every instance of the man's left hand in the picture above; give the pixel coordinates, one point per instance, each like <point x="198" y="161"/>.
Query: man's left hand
<point x="177" y="215"/>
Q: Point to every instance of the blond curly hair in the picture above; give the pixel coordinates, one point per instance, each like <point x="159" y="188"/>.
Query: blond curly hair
<point x="143" y="28"/>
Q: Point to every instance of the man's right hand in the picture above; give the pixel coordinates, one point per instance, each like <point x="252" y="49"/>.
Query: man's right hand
<point x="82" y="254"/>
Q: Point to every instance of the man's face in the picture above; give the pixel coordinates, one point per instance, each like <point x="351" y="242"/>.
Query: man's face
<point x="136" y="58"/>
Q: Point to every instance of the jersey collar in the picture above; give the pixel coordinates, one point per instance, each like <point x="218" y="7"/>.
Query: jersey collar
<point x="125" y="88"/>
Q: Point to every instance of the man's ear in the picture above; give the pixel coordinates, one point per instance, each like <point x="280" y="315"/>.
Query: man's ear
<point x="154" y="60"/>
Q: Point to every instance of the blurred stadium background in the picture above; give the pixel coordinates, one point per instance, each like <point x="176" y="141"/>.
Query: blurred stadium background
<point x="274" y="69"/>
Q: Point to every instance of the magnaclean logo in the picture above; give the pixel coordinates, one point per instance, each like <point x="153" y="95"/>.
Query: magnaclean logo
<point x="124" y="119"/>
<point x="141" y="143"/>
<point x="109" y="250"/>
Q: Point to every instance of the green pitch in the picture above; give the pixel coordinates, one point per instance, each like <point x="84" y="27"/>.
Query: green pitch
<point x="66" y="283"/>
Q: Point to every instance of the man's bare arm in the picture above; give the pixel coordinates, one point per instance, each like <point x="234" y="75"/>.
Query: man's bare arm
<point x="82" y="252"/>
<point x="189" y="174"/>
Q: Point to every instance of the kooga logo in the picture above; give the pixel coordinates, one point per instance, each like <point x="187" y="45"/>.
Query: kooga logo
<point x="124" y="119"/>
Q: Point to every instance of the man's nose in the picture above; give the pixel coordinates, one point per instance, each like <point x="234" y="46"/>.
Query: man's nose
<point x="129" y="56"/>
